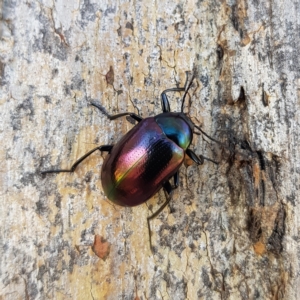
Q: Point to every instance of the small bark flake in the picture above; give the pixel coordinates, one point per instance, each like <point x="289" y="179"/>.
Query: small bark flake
<point x="101" y="247"/>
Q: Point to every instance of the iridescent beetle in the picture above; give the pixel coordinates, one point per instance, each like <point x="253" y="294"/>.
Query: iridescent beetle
<point x="147" y="157"/>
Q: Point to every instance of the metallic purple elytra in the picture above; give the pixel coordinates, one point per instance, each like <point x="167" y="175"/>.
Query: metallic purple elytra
<point x="141" y="162"/>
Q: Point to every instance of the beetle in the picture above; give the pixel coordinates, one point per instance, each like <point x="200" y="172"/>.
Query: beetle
<point x="148" y="156"/>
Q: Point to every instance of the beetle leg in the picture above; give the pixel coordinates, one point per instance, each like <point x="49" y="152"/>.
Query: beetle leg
<point x="164" y="99"/>
<point x="199" y="160"/>
<point x="106" y="148"/>
<point x="168" y="190"/>
<point x="132" y="115"/>
<point x="213" y="161"/>
<point x="176" y="180"/>
<point x="113" y="117"/>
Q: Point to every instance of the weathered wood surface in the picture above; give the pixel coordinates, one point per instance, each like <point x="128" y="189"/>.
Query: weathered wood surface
<point x="231" y="231"/>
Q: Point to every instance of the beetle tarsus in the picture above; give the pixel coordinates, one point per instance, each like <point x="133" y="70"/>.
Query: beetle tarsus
<point x="132" y="115"/>
<point x="100" y="107"/>
<point x="113" y="117"/>
<point x="213" y="161"/>
<point x="106" y="148"/>
<point x="199" y="160"/>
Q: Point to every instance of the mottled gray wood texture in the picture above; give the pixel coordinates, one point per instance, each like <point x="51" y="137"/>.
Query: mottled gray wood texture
<point x="231" y="231"/>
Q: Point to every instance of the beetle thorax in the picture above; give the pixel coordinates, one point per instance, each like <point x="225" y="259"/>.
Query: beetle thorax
<point x="177" y="127"/>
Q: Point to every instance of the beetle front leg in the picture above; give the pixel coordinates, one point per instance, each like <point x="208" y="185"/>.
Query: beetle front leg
<point x="168" y="190"/>
<point x="113" y="117"/>
<point x="106" y="148"/>
<point x="199" y="160"/>
<point x="132" y="115"/>
<point x="165" y="105"/>
<point x="164" y="99"/>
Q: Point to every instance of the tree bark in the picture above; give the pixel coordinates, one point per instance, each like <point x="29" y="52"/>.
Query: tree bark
<point x="231" y="230"/>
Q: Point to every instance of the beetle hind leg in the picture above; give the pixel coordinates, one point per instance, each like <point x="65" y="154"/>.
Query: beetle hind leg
<point x="168" y="191"/>
<point x="106" y="148"/>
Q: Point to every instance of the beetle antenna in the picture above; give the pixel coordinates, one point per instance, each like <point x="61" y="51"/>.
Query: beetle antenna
<point x="186" y="91"/>
<point x="204" y="133"/>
